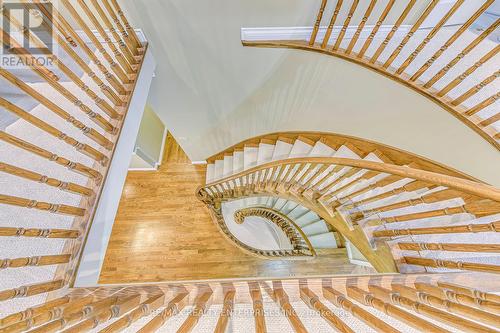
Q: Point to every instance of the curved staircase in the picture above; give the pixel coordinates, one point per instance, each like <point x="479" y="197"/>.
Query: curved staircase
<point x="424" y="221"/>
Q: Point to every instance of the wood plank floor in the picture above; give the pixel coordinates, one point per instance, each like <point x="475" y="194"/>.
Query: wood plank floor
<point x="163" y="233"/>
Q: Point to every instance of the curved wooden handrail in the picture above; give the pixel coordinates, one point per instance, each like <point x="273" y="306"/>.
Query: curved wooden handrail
<point x="275" y="217"/>
<point x="464" y="185"/>
<point x="400" y="74"/>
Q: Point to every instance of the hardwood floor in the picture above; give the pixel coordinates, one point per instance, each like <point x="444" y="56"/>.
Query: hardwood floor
<point x="163" y="233"/>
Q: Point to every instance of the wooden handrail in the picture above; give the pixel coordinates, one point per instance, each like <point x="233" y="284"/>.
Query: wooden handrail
<point x="467" y="186"/>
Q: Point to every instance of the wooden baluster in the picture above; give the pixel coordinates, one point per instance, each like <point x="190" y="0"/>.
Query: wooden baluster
<point x="29" y="313"/>
<point x="375" y="29"/>
<point x="315" y="173"/>
<point x="176" y="304"/>
<point x="458" y="229"/>
<point x="377" y="303"/>
<point x="340" y="301"/>
<point x="478" y="209"/>
<point x="412" y="31"/>
<point x="451" y="40"/>
<point x="489" y="121"/>
<point x="145" y="308"/>
<point x="446" y="294"/>
<point x="453" y="247"/>
<point x="391" y="179"/>
<point x="123" y="305"/>
<point x="332" y="170"/>
<point x="331" y="24"/>
<point x="125" y="50"/>
<point x="391" y="33"/>
<point x="282" y="181"/>
<point x="77" y="313"/>
<point x="43" y="233"/>
<point x="73" y="166"/>
<point x="458" y="322"/>
<point x="474" y="90"/>
<point x="107" y="91"/>
<point x="130" y="42"/>
<point x="258" y="307"/>
<point x="40" y="205"/>
<point x="429" y="198"/>
<point x="450" y="264"/>
<point x="312" y="301"/>
<point x="364" y="177"/>
<point x="429" y="36"/>
<point x="34" y="176"/>
<point x="103" y="105"/>
<point x="481" y="295"/>
<point x="460" y="56"/>
<point x="423" y="309"/>
<point x="21" y="52"/>
<point x="227" y="310"/>
<point x="200" y="305"/>
<point x="111" y="78"/>
<point x="345" y="26"/>
<point x="35" y="261"/>
<point x="483" y="104"/>
<point x="299" y="170"/>
<point x="114" y="66"/>
<point x="84" y="148"/>
<point x="455" y="82"/>
<point x="284" y="303"/>
<point x="31" y="290"/>
<point x="118" y="55"/>
<point x="325" y="196"/>
<point x="131" y="32"/>
<point x="50" y="314"/>
<point x="361" y="25"/>
<point x="314" y="33"/>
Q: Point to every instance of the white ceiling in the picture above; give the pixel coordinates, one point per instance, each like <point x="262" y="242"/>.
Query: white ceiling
<point x="212" y="92"/>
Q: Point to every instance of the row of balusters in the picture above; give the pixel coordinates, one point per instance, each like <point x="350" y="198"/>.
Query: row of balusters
<point x="425" y="304"/>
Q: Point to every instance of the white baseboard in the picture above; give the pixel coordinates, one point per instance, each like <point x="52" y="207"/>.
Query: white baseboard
<point x="198" y="162"/>
<point x="162" y="149"/>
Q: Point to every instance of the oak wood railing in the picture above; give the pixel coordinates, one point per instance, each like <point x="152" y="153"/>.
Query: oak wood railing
<point x="339" y="302"/>
<point x="308" y="181"/>
<point x="380" y="51"/>
<point x="82" y="101"/>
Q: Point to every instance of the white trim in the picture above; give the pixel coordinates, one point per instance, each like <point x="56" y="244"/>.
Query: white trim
<point x="163" y="143"/>
<point x="360" y="262"/>
<point x="142" y="169"/>
<point x="198" y="162"/>
<point x="303" y="33"/>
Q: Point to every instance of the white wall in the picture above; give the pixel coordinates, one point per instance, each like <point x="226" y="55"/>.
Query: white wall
<point x="212" y="92"/>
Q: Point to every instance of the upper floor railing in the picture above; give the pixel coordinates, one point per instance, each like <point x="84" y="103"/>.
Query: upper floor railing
<point x="67" y="115"/>
<point x="453" y="63"/>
